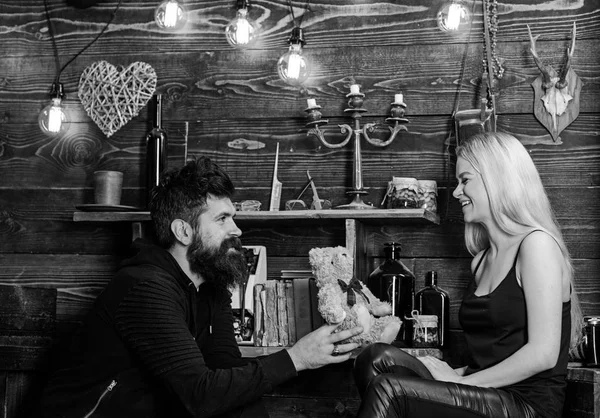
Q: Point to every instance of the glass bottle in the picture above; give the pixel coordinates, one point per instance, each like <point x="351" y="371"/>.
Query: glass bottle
<point x="393" y="282"/>
<point x="156" y="148"/>
<point x="433" y="300"/>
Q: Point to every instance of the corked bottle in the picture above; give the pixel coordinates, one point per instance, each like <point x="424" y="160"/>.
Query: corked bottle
<point x="393" y="282"/>
<point x="433" y="300"/>
<point x="156" y="148"/>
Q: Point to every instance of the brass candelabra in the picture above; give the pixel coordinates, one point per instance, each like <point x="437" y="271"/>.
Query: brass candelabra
<point x="355" y="110"/>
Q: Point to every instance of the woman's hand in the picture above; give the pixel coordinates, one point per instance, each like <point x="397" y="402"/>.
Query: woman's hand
<point x="440" y="370"/>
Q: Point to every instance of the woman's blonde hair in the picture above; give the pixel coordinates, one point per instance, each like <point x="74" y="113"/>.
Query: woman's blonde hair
<point x="515" y="193"/>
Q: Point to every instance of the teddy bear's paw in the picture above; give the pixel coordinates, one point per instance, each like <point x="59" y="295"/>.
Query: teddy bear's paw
<point x="363" y="317"/>
<point x="390" y="332"/>
<point x="332" y="316"/>
<point x="380" y="308"/>
<point x="336" y="319"/>
<point x="386" y="329"/>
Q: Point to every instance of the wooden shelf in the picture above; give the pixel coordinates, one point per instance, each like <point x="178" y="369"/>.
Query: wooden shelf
<point x="371" y="216"/>
<point x="84" y="216"/>
<point x="354" y="220"/>
<point x="579" y="372"/>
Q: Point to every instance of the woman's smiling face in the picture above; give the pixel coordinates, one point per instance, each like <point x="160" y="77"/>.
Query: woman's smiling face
<point x="471" y="193"/>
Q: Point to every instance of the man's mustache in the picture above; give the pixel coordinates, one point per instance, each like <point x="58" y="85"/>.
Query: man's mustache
<point x="233" y="242"/>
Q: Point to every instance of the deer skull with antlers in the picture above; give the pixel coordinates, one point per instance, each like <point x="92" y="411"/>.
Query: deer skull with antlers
<point x="558" y="88"/>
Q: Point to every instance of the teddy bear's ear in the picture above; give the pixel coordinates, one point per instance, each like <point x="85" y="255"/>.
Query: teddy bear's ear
<point x="315" y="253"/>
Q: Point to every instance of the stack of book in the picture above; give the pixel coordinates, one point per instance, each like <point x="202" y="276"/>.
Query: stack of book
<point x="296" y="274"/>
<point x="286" y="309"/>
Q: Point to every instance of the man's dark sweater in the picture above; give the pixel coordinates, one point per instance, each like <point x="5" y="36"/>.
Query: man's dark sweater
<point x="155" y="346"/>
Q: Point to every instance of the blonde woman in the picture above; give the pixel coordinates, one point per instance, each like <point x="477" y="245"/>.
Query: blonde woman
<point x="519" y="314"/>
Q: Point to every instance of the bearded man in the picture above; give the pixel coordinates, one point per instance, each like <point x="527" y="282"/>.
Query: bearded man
<point x="159" y="340"/>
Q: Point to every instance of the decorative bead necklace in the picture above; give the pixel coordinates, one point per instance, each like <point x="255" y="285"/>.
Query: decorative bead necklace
<point x="491" y="7"/>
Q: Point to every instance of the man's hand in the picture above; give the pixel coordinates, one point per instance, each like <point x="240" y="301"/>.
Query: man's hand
<point x="316" y="349"/>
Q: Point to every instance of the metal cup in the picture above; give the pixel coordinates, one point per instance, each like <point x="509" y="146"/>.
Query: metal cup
<point x="108" y="187"/>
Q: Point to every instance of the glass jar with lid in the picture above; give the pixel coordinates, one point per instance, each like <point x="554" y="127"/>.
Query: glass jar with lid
<point x="403" y="193"/>
<point x="428" y="195"/>
<point x="425" y="331"/>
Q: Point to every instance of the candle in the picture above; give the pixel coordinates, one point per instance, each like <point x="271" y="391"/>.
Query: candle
<point x="354" y="89"/>
<point x="398" y="98"/>
<point x="311" y="102"/>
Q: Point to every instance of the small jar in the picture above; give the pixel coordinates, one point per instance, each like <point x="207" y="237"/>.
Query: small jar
<point x="428" y="195"/>
<point x="247" y="206"/>
<point x="425" y="331"/>
<point x="403" y="193"/>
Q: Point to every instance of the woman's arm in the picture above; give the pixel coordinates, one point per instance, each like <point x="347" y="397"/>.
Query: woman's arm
<point x="541" y="269"/>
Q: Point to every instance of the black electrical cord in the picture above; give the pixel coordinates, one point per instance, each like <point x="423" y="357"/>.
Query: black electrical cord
<point x="59" y="70"/>
<point x="455" y="109"/>
<point x="306" y="8"/>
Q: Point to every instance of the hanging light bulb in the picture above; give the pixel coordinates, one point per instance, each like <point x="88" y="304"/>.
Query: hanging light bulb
<point x="170" y="15"/>
<point x="241" y="32"/>
<point x="452" y="17"/>
<point x="52" y="119"/>
<point x="293" y="68"/>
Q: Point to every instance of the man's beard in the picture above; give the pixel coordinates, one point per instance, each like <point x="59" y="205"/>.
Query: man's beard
<point x="221" y="266"/>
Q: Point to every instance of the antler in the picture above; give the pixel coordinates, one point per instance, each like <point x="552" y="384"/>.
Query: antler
<point x="562" y="82"/>
<point x="547" y="71"/>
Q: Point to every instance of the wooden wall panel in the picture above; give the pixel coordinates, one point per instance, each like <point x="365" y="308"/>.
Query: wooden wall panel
<point x="217" y="97"/>
<point x="329" y="22"/>
<point x="31" y="161"/>
<point x="421" y="153"/>
<point x="251" y="87"/>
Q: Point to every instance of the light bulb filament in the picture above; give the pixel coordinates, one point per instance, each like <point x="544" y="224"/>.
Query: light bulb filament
<point x="455" y="12"/>
<point x="171" y="11"/>
<point x="170" y="15"/>
<point x="55" y="119"/>
<point x="294" y="65"/>
<point x="56" y="116"/>
<point x="243" y="28"/>
<point x="241" y="31"/>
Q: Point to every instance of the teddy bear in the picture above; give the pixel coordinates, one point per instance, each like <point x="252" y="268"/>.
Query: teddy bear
<point x="344" y="299"/>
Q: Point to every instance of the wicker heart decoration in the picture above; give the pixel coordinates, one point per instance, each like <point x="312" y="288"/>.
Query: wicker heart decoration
<point x="112" y="95"/>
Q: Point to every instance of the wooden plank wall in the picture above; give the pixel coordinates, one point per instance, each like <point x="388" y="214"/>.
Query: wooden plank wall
<point x="216" y="96"/>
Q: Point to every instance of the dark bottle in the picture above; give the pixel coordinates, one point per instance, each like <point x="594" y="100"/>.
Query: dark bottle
<point x="393" y="282"/>
<point x="433" y="300"/>
<point x="156" y="148"/>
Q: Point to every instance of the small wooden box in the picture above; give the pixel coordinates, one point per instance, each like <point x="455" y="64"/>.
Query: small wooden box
<point x="583" y="392"/>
